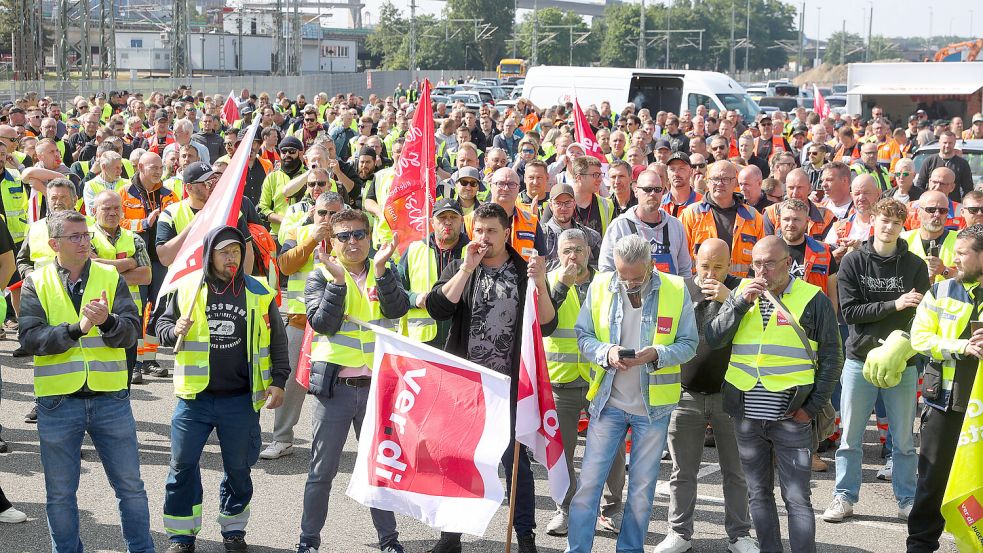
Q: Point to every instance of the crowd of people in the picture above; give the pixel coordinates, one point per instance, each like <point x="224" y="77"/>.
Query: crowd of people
<point x="761" y="287"/>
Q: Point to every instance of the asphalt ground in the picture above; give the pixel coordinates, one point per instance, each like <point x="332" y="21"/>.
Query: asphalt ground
<point x="277" y="502"/>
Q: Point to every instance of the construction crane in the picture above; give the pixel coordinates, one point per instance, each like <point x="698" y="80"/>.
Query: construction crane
<point x="971" y="47"/>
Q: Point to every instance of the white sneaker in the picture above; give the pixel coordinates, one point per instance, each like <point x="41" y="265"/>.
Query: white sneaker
<point x="558" y="524"/>
<point x="276" y="450"/>
<point x="887" y="471"/>
<point x="905" y="512"/>
<point x="674" y="543"/>
<point x="838" y="510"/>
<point x="611" y="523"/>
<point x="12" y="516"/>
<point x="744" y="544"/>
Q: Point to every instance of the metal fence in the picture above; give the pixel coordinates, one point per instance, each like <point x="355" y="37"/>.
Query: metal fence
<point x="372" y="82"/>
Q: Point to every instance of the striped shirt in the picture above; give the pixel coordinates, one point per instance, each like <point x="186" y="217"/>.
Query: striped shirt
<point x="760" y="403"/>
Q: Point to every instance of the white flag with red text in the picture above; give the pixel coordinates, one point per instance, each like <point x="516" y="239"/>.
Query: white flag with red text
<point x="221" y="209"/>
<point x="435" y="430"/>
<point x="819" y="104"/>
<point x="536" y="423"/>
<point x="230" y="111"/>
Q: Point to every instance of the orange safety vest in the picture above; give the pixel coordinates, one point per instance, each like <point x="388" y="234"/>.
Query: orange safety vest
<point x="675" y="209"/>
<point x="777" y="145"/>
<point x="854" y="153"/>
<point x="842" y="227"/>
<point x="134" y="210"/>
<point x="953" y="221"/>
<point x="820" y="219"/>
<point x="698" y="222"/>
<point x="524" y="225"/>
<point x="817" y="260"/>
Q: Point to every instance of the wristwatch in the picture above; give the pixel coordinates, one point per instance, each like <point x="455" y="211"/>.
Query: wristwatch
<point x="945" y="272"/>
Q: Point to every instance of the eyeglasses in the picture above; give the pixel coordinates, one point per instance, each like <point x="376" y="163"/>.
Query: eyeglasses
<point x="721" y="180"/>
<point x="974" y="210"/>
<point x="288" y="151"/>
<point x="327" y="213"/>
<point x="592" y="174"/>
<point x="815" y="153"/>
<point x="563" y="205"/>
<point x="317" y="184"/>
<point x="574" y="250"/>
<point x="767" y="265"/>
<point x="77" y="238"/>
<point x="505" y="184"/>
<point x="345" y="237"/>
<point x="935" y="210"/>
<point x="902" y="173"/>
<point x="468" y="183"/>
<point x="528" y="151"/>
<point x="699" y="166"/>
<point x="650" y="189"/>
<point x="306" y="120"/>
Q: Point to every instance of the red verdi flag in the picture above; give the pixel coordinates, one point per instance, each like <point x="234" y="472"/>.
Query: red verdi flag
<point x="434" y="432"/>
<point x="221" y="209"/>
<point x="585" y="135"/>
<point x="230" y="111"/>
<point x="819" y="104"/>
<point x="536" y="422"/>
<point x="412" y="193"/>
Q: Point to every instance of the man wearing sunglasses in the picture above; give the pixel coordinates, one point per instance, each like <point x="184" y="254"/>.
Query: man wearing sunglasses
<point x="932" y="241"/>
<point x="972" y="208"/>
<point x="273" y="200"/>
<point x="349" y="282"/>
<point x="303" y="247"/>
<point x="942" y="180"/>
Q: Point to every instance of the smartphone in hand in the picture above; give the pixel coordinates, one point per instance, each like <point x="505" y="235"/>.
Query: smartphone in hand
<point x="626" y="354"/>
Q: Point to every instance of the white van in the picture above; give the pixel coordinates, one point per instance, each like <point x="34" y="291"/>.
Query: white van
<point x="655" y="89"/>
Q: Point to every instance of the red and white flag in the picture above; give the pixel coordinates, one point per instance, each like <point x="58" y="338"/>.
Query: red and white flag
<point x="230" y="111"/>
<point x="585" y="135"/>
<point x="819" y="104"/>
<point x="434" y="432"/>
<point x="536" y="423"/>
<point x="221" y="209"/>
<point x="412" y="193"/>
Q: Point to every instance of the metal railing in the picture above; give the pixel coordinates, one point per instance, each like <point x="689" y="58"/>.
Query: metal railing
<point x="382" y="83"/>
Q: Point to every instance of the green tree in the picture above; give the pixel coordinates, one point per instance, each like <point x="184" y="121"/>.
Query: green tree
<point x="492" y="45"/>
<point x="385" y="41"/>
<point x="844" y="48"/>
<point x="554" y="40"/>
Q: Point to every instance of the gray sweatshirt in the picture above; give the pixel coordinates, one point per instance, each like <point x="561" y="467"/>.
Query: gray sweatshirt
<point x="677" y="249"/>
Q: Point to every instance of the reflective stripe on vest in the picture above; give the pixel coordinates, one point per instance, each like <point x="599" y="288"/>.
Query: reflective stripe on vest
<point x="953" y="307"/>
<point x="524" y="225"/>
<point x="91" y="362"/>
<point x="563" y="358"/>
<point x="352" y="346"/>
<point x="191" y="364"/>
<point x="664" y="383"/>
<point x="14" y="205"/>
<point x="816" y="260"/>
<point x="947" y="249"/>
<point x="125" y="246"/>
<point x="297" y="281"/>
<point x="698" y="221"/>
<point x="773" y="354"/>
<point x="421" y="265"/>
<point x="37" y="239"/>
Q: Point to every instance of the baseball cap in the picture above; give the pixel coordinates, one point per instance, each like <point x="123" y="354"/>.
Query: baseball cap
<point x="940" y="123"/>
<point x="679" y="156"/>
<point x="560" y="189"/>
<point x="662" y="144"/>
<point x="246" y="110"/>
<point x="978" y="118"/>
<point x="160" y="114"/>
<point x="466" y="173"/>
<point x="799" y="129"/>
<point x="198" y="171"/>
<point x="447" y="204"/>
<point x="912" y="118"/>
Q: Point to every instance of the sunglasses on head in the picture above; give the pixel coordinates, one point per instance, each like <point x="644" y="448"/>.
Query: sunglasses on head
<point x="347" y="236"/>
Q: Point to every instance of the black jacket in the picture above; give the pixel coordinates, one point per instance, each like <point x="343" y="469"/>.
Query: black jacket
<point x="325" y="303"/>
<point x="959" y="166"/>
<point x="819" y="322"/>
<point x="868" y="284"/>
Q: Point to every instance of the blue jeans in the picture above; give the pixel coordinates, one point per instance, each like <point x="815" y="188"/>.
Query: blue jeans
<point x="237" y="425"/>
<point x="899" y="402"/>
<point x="63" y="422"/>
<point x="604" y="437"/>
<point x="787" y="446"/>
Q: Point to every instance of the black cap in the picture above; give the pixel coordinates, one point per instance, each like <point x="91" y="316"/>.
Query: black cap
<point x="924" y="124"/>
<point x="367" y="151"/>
<point x="160" y="114"/>
<point x="913" y="118"/>
<point x="291" y="142"/>
<point x="447" y="204"/>
<point x="940" y="122"/>
<point x="679" y="156"/>
<point x="198" y="171"/>
<point x="246" y="109"/>
<point x="662" y="144"/>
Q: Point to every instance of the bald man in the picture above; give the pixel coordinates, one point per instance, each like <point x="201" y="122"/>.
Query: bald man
<point x="798" y="187"/>
<point x="941" y="180"/>
<point x="701" y="405"/>
<point x="749" y="180"/>
<point x="932" y="241"/>
<point x="526" y="235"/>
<point x="774" y="409"/>
<point x="847" y="234"/>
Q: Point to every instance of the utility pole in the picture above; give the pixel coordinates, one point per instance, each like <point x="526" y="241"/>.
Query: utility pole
<point x="733" y="48"/>
<point x="515" y="29"/>
<point x="298" y="41"/>
<point x="870" y="32"/>
<point x="747" y="38"/>
<point x="843" y="44"/>
<point x="239" y="64"/>
<point x="28" y="48"/>
<point x="535" y="32"/>
<point x="179" y="39"/>
<point x="640" y="61"/>
<point x="279" y="44"/>
<point x="668" y="27"/>
<point x="819" y="20"/>
<point x="802" y="21"/>
<point x="412" y="40"/>
<point x="107" y="39"/>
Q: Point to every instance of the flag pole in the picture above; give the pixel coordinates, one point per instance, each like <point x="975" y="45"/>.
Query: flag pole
<point x="515" y="478"/>
<point x="179" y="344"/>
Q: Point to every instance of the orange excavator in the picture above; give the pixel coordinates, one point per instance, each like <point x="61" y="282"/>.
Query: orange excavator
<point x="971" y="47"/>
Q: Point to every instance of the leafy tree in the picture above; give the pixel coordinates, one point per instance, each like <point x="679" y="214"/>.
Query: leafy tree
<point x="385" y="40"/>
<point x="554" y="43"/>
<point x="500" y="15"/>
<point x="844" y="48"/>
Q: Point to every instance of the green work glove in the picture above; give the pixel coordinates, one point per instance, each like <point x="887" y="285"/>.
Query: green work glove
<point x="886" y="363"/>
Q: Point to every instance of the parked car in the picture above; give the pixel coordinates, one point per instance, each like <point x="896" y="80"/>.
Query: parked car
<point x="471" y="99"/>
<point x="839" y="88"/>
<point x="756" y="93"/>
<point x="781" y="103"/>
<point x="444" y="90"/>
<point x="972" y="151"/>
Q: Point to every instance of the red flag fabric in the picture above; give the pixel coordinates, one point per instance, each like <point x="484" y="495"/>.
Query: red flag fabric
<point x="819" y="104"/>
<point x="221" y="209"/>
<point x="411" y="196"/>
<point x="230" y="111"/>
<point x="536" y="422"/>
<point x="585" y="135"/>
<point x="303" y="376"/>
<point x="432" y="438"/>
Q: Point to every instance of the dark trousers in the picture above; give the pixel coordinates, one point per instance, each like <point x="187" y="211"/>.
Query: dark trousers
<point x="940" y="434"/>
<point x="4" y="502"/>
